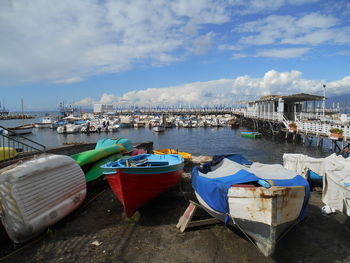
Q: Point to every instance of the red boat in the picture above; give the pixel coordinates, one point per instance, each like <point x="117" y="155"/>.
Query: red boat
<point x="138" y="179"/>
<point x="235" y="125"/>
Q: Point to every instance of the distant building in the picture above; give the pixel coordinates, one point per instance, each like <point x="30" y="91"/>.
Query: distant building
<point x="103" y="108"/>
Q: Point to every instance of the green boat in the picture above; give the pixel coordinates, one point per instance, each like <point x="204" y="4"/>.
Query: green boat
<point x="95" y="171"/>
<point x="251" y="134"/>
<point x="91" y="161"/>
<point x="92" y="156"/>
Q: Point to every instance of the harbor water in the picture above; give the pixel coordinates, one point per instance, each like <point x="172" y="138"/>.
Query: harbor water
<point x="197" y="141"/>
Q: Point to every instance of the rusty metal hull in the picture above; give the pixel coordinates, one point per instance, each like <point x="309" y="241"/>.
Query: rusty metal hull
<point x="265" y="214"/>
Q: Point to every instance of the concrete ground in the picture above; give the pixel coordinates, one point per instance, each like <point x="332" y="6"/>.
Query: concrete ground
<point x="99" y="232"/>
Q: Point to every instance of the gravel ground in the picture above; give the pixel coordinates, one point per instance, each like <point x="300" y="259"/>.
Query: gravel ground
<point x="100" y="232"/>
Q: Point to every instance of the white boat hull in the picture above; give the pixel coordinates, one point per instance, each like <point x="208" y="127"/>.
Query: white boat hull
<point x="265" y="213"/>
<point x="38" y="193"/>
<point x="43" y="125"/>
<point x="27" y="129"/>
<point x="158" y="129"/>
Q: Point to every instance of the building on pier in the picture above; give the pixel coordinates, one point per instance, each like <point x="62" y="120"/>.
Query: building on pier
<point x="274" y="113"/>
<point x="291" y="107"/>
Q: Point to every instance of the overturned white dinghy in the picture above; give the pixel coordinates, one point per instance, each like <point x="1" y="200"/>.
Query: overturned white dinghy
<point x="263" y="201"/>
<point x="38" y="193"/>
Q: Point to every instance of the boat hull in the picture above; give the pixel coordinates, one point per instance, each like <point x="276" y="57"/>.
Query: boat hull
<point x="265" y="213"/>
<point x="37" y="193"/>
<point x="135" y="189"/>
<point x="20" y="130"/>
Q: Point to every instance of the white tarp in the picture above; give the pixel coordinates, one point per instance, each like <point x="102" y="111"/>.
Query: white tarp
<point x="302" y="163"/>
<point x="336" y="177"/>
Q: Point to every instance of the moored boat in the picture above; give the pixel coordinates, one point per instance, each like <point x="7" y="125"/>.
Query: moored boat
<point x="138" y="179"/>
<point x="235" y="125"/>
<point x="46" y="122"/>
<point x="158" y="128"/>
<point x="263" y="201"/>
<point x="251" y="134"/>
<point x="21" y="130"/>
<point x="185" y="155"/>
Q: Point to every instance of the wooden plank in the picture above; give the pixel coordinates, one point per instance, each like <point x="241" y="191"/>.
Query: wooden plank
<point x="185" y="221"/>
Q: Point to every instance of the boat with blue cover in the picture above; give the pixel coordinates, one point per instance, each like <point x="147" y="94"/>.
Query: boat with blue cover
<point x="264" y="201"/>
<point x="138" y="179"/>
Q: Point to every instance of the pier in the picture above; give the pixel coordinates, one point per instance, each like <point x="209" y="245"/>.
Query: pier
<point x="292" y="117"/>
<point x="16" y="116"/>
<point x="271" y="115"/>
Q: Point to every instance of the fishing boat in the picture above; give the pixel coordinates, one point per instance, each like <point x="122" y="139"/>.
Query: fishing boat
<point x="21" y="130"/>
<point x="46" y="122"/>
<point x="185" y="155"/>
<point x="263" y="201"/>
<point x="251" y="134"/>
<point x="140" y="178"/>
<point x="158" y="128"/>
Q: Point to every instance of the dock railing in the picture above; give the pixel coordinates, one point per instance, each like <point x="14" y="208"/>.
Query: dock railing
<point x="322" y="128"/>
<point x="17" y="147"/>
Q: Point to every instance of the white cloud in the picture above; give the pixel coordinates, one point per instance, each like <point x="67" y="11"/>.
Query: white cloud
<point x="227" y="91"/>
<point x="284" y="53"/>
<point x="85" y="102"/>
<point x="66" y="41"/>
<point x="310" y="29"/>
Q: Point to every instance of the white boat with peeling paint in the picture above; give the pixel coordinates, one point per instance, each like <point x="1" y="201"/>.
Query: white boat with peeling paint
<point x="253" y="198"/>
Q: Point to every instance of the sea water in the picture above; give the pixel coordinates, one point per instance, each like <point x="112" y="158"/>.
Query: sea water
<point x="197" y="141"/>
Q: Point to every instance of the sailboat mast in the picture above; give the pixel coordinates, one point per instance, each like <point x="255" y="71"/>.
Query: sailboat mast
<point x="22" y="112"/>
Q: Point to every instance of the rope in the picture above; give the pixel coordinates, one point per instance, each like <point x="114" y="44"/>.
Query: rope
<point x="247" y="236"/>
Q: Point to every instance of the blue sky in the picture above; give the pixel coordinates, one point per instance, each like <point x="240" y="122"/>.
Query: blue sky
<point x="184" y="52"/>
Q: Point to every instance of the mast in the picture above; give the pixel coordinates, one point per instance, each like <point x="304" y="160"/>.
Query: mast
<point x="22" y="112"/>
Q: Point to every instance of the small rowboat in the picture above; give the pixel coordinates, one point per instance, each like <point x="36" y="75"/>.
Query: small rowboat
<point x="251" y="134"/>
<point x="185" y="155"/>
<point x="21" y="130"/>
<point x="140" y="178"/>
<point x="263" y="201"/>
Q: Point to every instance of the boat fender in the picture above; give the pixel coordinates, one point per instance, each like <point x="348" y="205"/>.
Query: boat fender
<point x="266" y="183"/>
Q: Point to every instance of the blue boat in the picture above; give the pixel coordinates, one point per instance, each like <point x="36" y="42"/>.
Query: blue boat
<point x="263" y="201"/>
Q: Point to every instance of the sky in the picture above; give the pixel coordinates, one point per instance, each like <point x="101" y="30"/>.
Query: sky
<point x="163" y="52"/>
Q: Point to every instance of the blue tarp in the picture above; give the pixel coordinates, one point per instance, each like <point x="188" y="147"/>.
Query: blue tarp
<point x="214" y="190"/>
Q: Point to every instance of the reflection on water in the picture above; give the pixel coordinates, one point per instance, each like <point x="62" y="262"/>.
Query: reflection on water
<point x="198" y="141"/>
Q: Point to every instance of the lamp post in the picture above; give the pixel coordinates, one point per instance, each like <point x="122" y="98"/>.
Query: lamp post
<point x="324" y="99"/>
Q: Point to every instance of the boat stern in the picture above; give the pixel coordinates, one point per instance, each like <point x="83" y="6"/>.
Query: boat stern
<point x="265" y="213"/>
